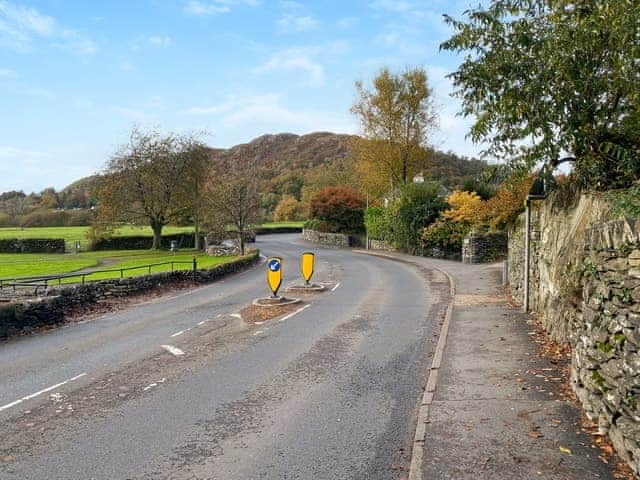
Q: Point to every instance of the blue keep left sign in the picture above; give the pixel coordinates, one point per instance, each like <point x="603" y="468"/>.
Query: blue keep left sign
<point x="274" y="265"/>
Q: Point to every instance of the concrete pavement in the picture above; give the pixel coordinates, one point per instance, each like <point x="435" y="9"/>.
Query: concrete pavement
<point x="498" y="411"/>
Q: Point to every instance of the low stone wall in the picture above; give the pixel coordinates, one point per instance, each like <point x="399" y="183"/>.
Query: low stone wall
<point x="28" y="314"/>
<point x="32" y="245"/>
<point x="337" y="239"/>
<point x="442" y="253"/>
<point x="380" y="245"/>
<point x="484" y="247"/>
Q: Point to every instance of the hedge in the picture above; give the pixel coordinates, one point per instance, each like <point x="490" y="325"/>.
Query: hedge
<point x="51" y="310"/>
<point x="185" y="240"/>
<point x="32" y="245"/>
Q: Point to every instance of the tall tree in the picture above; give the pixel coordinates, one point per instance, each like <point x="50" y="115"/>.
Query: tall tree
<point x="192" y="193"/>
<point x="397" y="115"/>
<point x="143" y="182"/>
<point x="544" y="78"/>
<point x="234" y="191"/>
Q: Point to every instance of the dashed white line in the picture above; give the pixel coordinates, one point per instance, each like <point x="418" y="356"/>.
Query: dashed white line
<point x="173" y="350"/>
<point x="257" y="332"/>
<point x="258" y="323"/>
<point x="236" y="315"/>
<point x="34" y="395"/>
<point x="287" y="317"/>
<point x="177" y="333"/>
<point x="202" y="323"/>
<point x="336" y="287"/>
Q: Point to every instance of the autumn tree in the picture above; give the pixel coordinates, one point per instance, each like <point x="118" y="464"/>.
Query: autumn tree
<point x="144" y="182"/>
<point x="191" y="193"/>
<point x="397" y="115"/>
<point x="339" y="209"/>
<point x="290" y="209"/>
<point x="234" y="192"/>
<point x="547" y="78"/>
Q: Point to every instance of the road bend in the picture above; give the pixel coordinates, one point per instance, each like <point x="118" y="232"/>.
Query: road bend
<point x="181" y="387"/>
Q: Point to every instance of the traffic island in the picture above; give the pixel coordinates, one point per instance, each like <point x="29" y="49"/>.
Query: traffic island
<point x="264" y="309"/>
<point x="311" y="288"/>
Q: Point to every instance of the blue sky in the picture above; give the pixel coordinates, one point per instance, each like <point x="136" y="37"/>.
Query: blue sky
<point x="75" y="76"/>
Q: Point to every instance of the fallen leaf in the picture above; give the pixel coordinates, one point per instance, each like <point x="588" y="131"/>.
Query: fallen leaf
<point x="566" y="450"/>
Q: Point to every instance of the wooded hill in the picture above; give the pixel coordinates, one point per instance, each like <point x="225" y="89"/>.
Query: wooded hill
<point x="289" y="165"/>
<point x="290" y="162"/>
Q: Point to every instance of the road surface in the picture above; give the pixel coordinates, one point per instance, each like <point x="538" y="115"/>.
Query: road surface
<point x="180" y="387"/>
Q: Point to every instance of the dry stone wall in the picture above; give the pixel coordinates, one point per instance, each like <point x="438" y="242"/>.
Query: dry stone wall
<point x="585" y="284"/>
<point x="484" y="247"/>
<point x="337" y="239"/>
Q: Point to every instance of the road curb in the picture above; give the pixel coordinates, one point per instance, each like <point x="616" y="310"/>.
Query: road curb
<point x="417" y="452"/>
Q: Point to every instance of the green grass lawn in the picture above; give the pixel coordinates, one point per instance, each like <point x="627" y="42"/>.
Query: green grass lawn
<point x="72" y="234"/>
<point x="31" y="264"/>
<point x="282" y="224"/>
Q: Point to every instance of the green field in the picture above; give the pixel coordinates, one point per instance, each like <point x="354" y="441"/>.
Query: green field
<point x="31" y="264"/>
<point x="73" y="234"/>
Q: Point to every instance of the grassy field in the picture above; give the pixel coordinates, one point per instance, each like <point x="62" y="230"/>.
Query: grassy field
<point x="73" y="234"/>
<point x="28" y="264"/>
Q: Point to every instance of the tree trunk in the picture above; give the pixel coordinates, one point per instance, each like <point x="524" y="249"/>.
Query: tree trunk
<point x="196" y="228"/>
<point x="241" y="240"/>
<point x="157" y="234"/>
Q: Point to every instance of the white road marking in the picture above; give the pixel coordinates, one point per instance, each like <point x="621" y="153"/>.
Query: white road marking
<point x="202" y="323"/>
<point x="258" y="323"/>
<point x="287" y="317"/>
<point x="178" y="333"/>
<point x="336" y="287"/>
<point x="154" y="384"/>
<point x="173" y="350"/>
<point x="34" y="395"/>
<point x="258" y="332"/>
<point x="236" y="315"/>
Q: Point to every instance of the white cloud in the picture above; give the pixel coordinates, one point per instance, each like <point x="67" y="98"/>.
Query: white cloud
<point x="347" y="22"/>
<point x="295" y="23"/>
<point x="228" y="105"/>
<point x="267" y="113"/>
<point x="160" y="41"/>
<point x="152" y="41"/>
<point x="292" y="60"/>
<point x="395" y="6"/>
<point x="21" y="26"/>
<point x="215" y="7"/>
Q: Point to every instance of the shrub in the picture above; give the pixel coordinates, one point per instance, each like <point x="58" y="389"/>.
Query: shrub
<point x="377" y="223"/>
<point x="340" y="208"/>
<point x="289" y="209"/>
<point x="502" y="210"/>
<point x="417" y="207"/>
<point x="464" y="207"/>
<point x="446" y="234"/>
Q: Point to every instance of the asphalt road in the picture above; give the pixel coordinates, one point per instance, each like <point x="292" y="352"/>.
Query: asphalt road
<point x="329" y="393"/>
